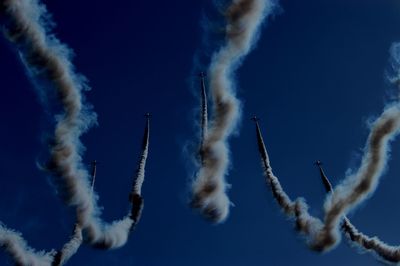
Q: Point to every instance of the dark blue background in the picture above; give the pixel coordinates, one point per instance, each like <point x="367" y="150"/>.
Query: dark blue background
<point x="315" y="77"/>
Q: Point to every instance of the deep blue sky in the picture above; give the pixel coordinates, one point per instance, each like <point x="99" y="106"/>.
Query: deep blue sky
<point x="315" y="77"/>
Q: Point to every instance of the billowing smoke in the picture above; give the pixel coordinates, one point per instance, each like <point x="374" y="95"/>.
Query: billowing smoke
<point x="297" y="209"/>
<point x="243" y="20"/>
<point x="48" y="61"/>
<point x="21" y="254"/>
<point x="389" y="254"/>
<point x="354" y="189"/>
<point x="16" y="247"/>
<point x="70" y="248"/>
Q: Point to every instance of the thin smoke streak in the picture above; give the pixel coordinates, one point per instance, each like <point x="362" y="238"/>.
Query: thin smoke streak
<point x="204" y="117"/>
<point x="243" y="20"/>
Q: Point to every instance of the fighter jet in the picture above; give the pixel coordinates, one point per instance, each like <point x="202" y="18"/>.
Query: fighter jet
<point x="255" y="119"/>
<point x="318" y="163"/>
<point x="202" y="74"/>
<point x="324" y="178"/>
<point x="147" y="115"/>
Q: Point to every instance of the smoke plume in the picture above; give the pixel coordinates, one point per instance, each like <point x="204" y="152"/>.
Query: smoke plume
<point x="21" y="254"/>
<point x="48" y="63"/>
<point x="243" y="20"/>
<point x="323" y="236"/>
<point x="385" y="252"/>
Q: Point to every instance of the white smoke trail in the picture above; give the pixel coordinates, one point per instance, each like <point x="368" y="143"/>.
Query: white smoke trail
<point x="204" y="117"/>
<point x="139" y="179"/>
<point x="389" y="254"/>
<point x="323" y="236"/>
<point x="70" y="248"/>
<point x="243" y="18"/>
<point x="47" y="59"/>
<point x="22" y="255"/>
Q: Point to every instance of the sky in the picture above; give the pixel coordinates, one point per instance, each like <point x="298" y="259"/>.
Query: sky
<point x="315" y="78"/>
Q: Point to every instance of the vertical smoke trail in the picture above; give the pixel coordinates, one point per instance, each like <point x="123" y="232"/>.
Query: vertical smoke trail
<point x="94" y="172"/>
<point x="136" y="194"/>
<point x="390" y="254"/>
<point x="49" y="60"/>
<point x="204" y="117"/>
<point x="139" y="178"/>
<point x="323" y="236"/>
<point x="243" y="18"/>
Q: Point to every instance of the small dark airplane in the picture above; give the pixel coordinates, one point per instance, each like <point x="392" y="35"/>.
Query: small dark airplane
<point x="318" y="163"/>
<point x="147" y="115"/>
<point x="202" y="74"/>
<point x="255" y="119"/>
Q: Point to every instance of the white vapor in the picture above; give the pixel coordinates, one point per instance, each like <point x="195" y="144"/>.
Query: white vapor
<point x="47" y="59"/>
<point x="353" y="190"/>
<point x="243" y="20"/>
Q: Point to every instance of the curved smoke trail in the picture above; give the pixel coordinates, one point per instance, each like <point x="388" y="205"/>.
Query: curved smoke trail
<point x="21" y="254"/>
<point x="389" y="254"/>
<point x="47" y="59"/>
<point x="16" y="247"/>
<point x="70" y="248"/>
<point x="323" y="236"/>
<point x="243" y="18"/>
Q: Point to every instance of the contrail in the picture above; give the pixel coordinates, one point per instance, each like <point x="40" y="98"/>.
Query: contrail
<point x="387" y="253"/>
<point x="48" y="61"/>
<point x="323" y="236"/>
<point x="243" y="20"/>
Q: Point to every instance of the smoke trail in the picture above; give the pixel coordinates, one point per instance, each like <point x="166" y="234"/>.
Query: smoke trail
<point x="243" y="18"/>
<point x="297" y="209"/>
<point x="49" y="60"/>
<point x="70" y="248"/>
<point x="324" y="235"/>
<point x="390" y="254"/>
<point x="22" y="255"/>
<point x="135" y="196"/>
<point x="94" y="172"/>
<point x="204" y="117"/>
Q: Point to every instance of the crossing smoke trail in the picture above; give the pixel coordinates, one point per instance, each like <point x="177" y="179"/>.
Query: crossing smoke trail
<point x="47" y="59"/>
<point x="71" y="248"/>
<point x="22" y="255"/>
<point x="323" y="236"/>
<point x="243" y="20"/>
<point x="389" y="254"/>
